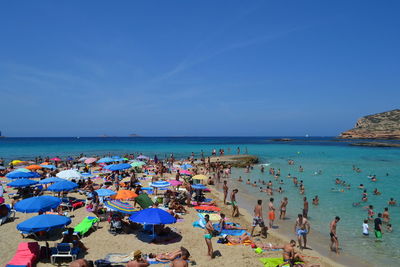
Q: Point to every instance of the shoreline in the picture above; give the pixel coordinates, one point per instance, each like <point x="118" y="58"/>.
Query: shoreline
<point x="318" y="242"/>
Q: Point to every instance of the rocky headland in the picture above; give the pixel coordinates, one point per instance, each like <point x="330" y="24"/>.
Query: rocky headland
<point x="385" y="125"/>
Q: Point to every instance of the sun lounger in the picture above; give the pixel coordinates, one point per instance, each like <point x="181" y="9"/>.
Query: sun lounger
<point x="64" y="250"/>
<point x="118" y="257"/>
<point x="144" y="201"/>
<point x="27" y="255"/>
<point x="85" y="225"/>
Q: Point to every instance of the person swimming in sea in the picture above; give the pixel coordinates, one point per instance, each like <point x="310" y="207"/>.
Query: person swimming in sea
<point x="248" y="181"/>
<point x="392" y="202"/>
<point x="376" y="192"/>
<point x="240" y="179"/>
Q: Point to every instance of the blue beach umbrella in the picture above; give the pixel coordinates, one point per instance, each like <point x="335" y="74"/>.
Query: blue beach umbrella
<point x="44" y="222"/>
<point x="160" y="184"/>
<point x="62" y="186"/>
<point x="199" y="186"/>
<point x="152" y="216"/>
<point x="22" y="170"/>
<point x="19" y="175"/>
<point x="49" y="167"/>
<point x="22" y="183"/>
<point x="105" y="160"/>
<point x="51" y="180"/>
<point x="37" y="204"/>
<point x="118" y="167"/>
<point x="105" y="192"/>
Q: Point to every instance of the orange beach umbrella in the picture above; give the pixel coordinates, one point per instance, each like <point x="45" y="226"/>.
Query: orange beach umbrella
<point x="125" y="195"/>
<point x="33" y="167"/>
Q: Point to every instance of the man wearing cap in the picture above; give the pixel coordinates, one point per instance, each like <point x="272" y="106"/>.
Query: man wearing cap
<point x="138" y="261"/>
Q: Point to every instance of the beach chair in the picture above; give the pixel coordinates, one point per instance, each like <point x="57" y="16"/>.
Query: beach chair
<point x="144" y="201"/>
<point x="85" y="225"/>
<point x="27" y="255"/>
<point x="10" y="214"/>
<point x="64" y="250"/>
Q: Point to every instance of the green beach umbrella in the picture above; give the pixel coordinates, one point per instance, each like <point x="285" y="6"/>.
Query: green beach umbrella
<point x="137" y="164"/>
<point x="22" y="170"/>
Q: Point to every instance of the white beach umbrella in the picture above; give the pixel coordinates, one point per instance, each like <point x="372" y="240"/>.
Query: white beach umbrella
<point x="69" y="174"/>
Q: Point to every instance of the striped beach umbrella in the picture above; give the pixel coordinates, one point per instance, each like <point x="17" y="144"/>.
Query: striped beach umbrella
<point x="120" y="206"/>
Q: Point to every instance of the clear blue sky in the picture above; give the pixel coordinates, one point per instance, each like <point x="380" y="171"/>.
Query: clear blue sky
<point x="85" y="68"/>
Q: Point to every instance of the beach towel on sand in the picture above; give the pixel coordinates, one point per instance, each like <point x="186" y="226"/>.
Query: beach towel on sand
<point x="144" y="201"/>
<point x="85" y="225"/>
<point x="273" y="262"/>
<point x="228" y="231"/>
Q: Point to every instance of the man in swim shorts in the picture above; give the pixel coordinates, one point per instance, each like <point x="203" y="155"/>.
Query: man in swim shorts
<point x="271" y="213"/>
<point x="334" y="238"/>
<point x="301" y="229"/>
<point x="258" y="219"/>
<point x="235" y="208"/>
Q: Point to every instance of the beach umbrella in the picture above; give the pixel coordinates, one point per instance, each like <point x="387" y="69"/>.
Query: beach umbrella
<point x="105" y="160"/>
<point x="152" y="216"/>
<point x="17" y="162"/>
<point x="186" y="166"/>
<point x="90" y="160"/>
<point x="49" y="166"/>
<point x="120" y="206"/>
<point x="44" y="222"/>
<point x="83" y="159"/>
<point x="22" y="183"/>
<point x="199" y="186"/>
<point x="56" y="159"/>
<point x="185" y="172"/>
<point x="175" y="182"/>
<point x="69" y="174"/>
<point x="105" y="192"/>
<point x="70" y="158"/>
<point x="51" y="180"/>
<point x="37" y="204"/>
<point x="138" y="164"/>
<point x="199" y="177"/>
<point x="45" y="163"/>
<point x="118" y="167"/>
<point x="33" y="167"/>
<point x="21" y="170"/>
<point x="63" y="186"/>
<point x="160" y="184"/>
<point x="125" y="195"/>
<point x="143" y="157"/>
<point x="18" y="175"/>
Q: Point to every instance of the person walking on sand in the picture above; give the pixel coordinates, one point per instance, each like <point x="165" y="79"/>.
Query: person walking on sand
<point x="301" y="229"/>
<point x="334" y="239"/>
<point x="235" y="208"/>
<point x="282" y="208"/>
<point x="271" y="213"/>
<point x="258" y="219"/>
<point x="208" y="236"/>
<point x="225" y="188"/>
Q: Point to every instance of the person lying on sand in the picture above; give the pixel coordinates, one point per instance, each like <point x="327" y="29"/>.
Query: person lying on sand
<point x="223" y="225"/>
<point x="182" y="261"/>
<point x="237" y="239"/>
<point x="166" y="257"/>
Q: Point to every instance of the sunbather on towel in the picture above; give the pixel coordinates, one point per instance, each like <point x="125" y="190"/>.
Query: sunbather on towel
<point x="238" y="240"/>
<point x="138" y="261"/>
<point x="166" y="257"/>
<point x="81" y="263"/>
<point x="290" y="255"/>
<point x="223" y="225"/>
<point x="175" y="206"/>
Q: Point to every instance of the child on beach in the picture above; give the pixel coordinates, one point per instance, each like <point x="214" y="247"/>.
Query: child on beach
<point x="365" y="228"/>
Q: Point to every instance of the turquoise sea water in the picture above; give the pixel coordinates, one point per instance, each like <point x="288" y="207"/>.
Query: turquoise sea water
<point x="333" y="158"/>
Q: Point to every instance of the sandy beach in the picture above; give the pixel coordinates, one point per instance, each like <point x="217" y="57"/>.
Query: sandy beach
<point x="101" y="242"/>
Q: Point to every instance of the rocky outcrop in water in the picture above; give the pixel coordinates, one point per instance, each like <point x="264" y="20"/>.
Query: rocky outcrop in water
<point x="385" y="125"/>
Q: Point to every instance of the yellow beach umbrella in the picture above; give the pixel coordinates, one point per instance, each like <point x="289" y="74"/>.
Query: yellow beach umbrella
<point x="200" y="177"/>
<point x="17" y="162"/>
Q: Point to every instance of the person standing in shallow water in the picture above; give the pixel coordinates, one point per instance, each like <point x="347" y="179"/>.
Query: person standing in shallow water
<point x="235" y="208"/>
<point x="334" y="239"/>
